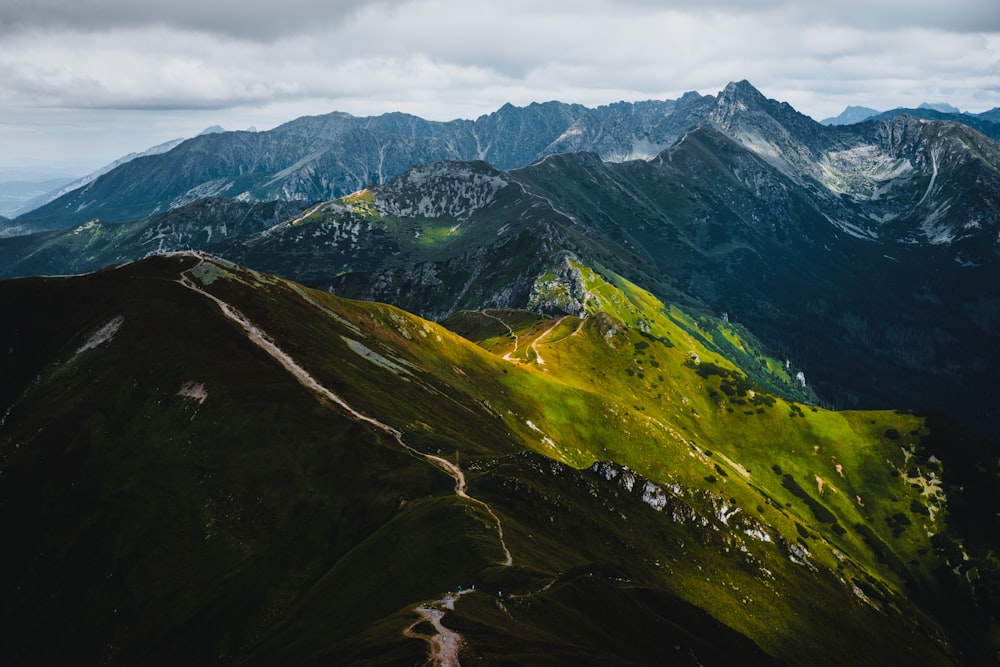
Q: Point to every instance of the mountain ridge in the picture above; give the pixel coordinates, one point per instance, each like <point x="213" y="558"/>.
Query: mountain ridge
<point x="644" y="520"/>
<point x="782" y="231"/>
<point x="328" y="156"/>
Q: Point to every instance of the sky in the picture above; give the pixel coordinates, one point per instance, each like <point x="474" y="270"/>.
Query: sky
<point x="83" y="82"/>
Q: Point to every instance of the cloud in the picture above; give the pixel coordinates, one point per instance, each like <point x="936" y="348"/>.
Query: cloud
<point x="265" y="20"/>
<point x="239" y="19"/>
<point x="253" y="61"/>
<point x="401" y="50"/>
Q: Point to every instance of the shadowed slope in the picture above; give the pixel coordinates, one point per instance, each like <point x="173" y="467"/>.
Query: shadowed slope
<point x="175" y="490"/>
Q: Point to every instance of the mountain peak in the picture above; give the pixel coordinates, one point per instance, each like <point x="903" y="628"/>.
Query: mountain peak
<point x="453" y="189"/>
<point x="851" y="115"/>
<point x="943" y="107"/>
<point x="740" y="89"/>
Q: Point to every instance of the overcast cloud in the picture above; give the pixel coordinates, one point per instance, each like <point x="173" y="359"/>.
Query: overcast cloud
<point x="85" y="81"/>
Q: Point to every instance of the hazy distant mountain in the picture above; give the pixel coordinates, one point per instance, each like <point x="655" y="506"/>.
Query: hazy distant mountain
<point x="17" y="195"/>
<point x="64" y="186"/>
<point x="943" y="107"/>
<point x="850" y="115"/>
<point x="993" y="115"/>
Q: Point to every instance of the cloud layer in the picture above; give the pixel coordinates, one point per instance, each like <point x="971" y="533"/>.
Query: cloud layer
<point x="250" y="60"/>
<point x="264" y="21"/>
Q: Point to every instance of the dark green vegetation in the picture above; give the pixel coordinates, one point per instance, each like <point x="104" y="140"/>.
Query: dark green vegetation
<point x="207" y="223"/>
<point x="628" y="400"/>
<point x="865" y="256"/>
<point x="172" y="493"/>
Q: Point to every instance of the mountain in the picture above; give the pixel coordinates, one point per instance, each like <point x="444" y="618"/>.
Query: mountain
<point x="201" y="463"/>
<point x="721" y="228"/>
<point x="850" y="115"/>
<point x="863" y="255"/>
<point x="982" y="124"/>
<point x="61" y="189"/>
<point x="92" y="245"/>
<point x="15" y="193"/>
<point x="993" y="115"/>
<point x="943" y="107"/>
<point x="987" y="122"/>
<point x="873" y="319"/>
<point x="325" y="157"/>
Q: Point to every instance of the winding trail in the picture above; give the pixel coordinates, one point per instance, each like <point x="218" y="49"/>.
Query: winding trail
<point x="534" y="343"/>
<point x="444" y="645"/>
<point x="510" y="331"/>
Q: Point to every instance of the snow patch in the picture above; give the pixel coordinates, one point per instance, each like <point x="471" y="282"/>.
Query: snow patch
<point x="641" y="149"/>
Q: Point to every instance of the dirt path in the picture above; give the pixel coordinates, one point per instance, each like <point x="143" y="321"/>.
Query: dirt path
<point x="262" y="340"/>
<point x="534" y="343"/>
<point x="509" y="356"/>
<point x="289" y="223"/>
<point x="443" y="646"/>
<point x="460" y="490"/>
<point x="506" y="357"/>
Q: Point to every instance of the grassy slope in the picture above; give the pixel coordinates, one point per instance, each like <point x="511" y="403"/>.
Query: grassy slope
<point x="264" y="526"/>
<point x="860" y="481"/>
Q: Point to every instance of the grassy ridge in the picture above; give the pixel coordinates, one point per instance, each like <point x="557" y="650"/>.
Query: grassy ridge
<point x="638" y="474"/>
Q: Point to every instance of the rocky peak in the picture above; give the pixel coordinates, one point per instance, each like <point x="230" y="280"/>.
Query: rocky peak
<point x="741" y="90"/>
<point x="443" y="189"/>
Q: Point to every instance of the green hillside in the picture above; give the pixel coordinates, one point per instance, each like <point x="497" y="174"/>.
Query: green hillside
<point x="200" y="463"/>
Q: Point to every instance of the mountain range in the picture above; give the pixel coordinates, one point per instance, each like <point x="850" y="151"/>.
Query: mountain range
<point x="756" y="211"/>
<point x="27" y="196"/>
<point x="648" y="380"/>
<point x="324" y="157"/>
<point x="857" y="114"/>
